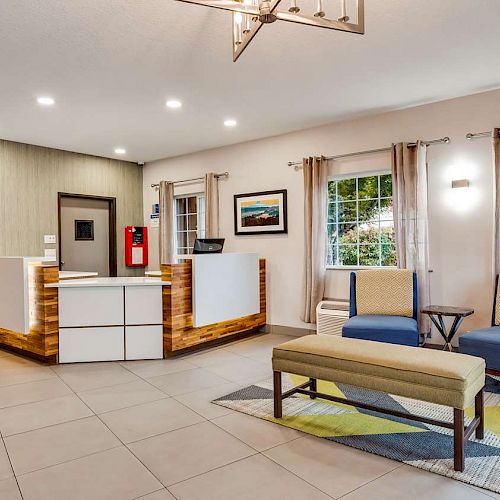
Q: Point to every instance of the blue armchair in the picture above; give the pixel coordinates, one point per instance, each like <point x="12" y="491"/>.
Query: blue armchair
<point x="485" y="343"/>
<point x="383" y="307"/>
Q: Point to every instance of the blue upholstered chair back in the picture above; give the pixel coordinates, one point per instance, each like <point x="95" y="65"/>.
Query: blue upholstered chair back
<point x="352" y="297"/>
<point x="494" y="314"/>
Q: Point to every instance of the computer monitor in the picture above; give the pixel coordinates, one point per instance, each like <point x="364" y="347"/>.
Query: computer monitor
<point x="208" y="245"/>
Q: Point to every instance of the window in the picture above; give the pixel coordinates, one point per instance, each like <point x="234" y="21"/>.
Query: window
<point x="190" y="221"/>
<point x="360" y="224"/>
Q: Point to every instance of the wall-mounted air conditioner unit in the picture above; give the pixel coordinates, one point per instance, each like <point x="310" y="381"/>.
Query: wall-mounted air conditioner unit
<point x="331" y="316"/>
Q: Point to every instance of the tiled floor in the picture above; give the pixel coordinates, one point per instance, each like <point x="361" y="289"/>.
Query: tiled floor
<point x="147" y="430"/>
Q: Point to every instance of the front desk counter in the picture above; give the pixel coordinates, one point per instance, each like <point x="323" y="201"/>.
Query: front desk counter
<point x="188" y="304"/>
<point x="110" y="319"/>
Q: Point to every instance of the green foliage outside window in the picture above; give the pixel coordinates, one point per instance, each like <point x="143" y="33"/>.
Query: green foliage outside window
<point x="360" y="222"/>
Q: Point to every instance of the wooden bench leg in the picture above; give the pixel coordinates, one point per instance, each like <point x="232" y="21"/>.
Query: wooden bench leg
<point x="480" y="413"/>
<point x="458" y="439"/>
<point x="313" y="386"/>
<point x="278" y="401"/>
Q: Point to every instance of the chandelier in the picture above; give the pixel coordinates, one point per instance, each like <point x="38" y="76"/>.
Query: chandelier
<point x="250" y="15"/>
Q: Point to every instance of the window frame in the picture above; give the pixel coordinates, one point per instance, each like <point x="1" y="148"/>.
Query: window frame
<point x="200" y="220"/>
<point x="357" y="176"/>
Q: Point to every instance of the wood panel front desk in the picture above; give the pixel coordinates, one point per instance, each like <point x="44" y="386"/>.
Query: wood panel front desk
<point x="42" y="338"/>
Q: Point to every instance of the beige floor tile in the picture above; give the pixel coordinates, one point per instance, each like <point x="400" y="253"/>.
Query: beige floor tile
<point x="31" y="392"/>
<point x="110" y="475"/>
<point x="158" y="495"/>
<point x="252" y="478"/>
<point x="213" y="357"/>
<point x="188" y="452"/>
<point x="53" y="445"/>
<point x="415" y="484"/>
<point x="256" y="432"/>
<point x="22" y="375"/>
<point x="5" y="468"/>
<point x="150" y="419"/>
<point x="186" y="381"/>
<point x="201" y="401"/>
<point x="9" y="490"/>
<point x="5" y="354"/>
<point x="120" y="396"/>
<point x="87" y="376"/>
<point x="32" y="416"/>
<point x="331" y="467"/>
<point x="9" y="362"/>
<point x="242" y="370"/>
<point x="156" y="367"/>
<point x="491" y="494"/>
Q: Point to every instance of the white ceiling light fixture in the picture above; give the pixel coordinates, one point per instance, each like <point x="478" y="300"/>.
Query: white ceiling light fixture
<point x="250" y="15"/>
<point x="174" y="104"/>
<point x="230" y="122"/>
<point x="120" y="151"/>
<point x="45" y="101"/>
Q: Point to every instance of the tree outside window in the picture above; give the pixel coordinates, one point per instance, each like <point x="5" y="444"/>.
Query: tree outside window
<point x="360" y="223"/>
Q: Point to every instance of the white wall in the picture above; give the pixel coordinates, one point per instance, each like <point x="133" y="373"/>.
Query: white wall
<point x="460" y="231"/>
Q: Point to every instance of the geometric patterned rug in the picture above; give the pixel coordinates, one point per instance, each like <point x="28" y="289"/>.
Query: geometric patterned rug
<point x="421" y="445"/>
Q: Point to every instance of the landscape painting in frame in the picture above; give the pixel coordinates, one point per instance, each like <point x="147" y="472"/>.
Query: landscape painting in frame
<point x="260" y="213"/>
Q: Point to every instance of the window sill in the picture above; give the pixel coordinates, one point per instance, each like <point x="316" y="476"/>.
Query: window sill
<point x="356" y="268"/>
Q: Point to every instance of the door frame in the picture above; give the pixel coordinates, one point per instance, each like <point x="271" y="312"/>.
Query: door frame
<point x="112" y="225"/>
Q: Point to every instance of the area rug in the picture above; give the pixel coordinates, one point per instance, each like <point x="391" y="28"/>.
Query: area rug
<point x="424" y="446"/>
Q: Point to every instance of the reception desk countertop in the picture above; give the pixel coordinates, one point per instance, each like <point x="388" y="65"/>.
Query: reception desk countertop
<point x="73" y="275"/>
<point x="109" y="282"/>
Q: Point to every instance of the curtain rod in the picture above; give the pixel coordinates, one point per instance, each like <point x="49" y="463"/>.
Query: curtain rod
<point x="444" y="140"/>
<point x="218" y="176"/>
<point x="478" y="135"/>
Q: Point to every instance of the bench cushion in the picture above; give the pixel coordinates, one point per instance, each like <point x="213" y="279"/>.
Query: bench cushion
<point x="392" y="329"/>
<point x="484" y="343"/>
<point x="440" y="377"/>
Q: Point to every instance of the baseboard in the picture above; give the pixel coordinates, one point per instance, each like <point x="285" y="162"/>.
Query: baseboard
<point x="287" y="330"/>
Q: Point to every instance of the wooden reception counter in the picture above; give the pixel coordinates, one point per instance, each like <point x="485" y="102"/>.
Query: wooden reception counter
<point x="68" y="318"/>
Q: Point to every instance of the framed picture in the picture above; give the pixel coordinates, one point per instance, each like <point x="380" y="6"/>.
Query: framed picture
<point x="84" y="230"/>
<point x="260" y="213"/>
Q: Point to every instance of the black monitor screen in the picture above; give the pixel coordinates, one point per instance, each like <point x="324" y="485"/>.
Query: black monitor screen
<point x="208" y="245"/>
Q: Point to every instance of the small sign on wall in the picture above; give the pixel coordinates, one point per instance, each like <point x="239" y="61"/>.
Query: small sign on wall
<point x="155" y="215"/>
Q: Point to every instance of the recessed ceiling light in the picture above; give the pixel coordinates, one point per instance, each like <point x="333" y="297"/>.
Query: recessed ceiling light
<point x="120" y="151"/>
<point x="45" y="101"/>
<point x="230" y="122"/>
<point x="174" y="104"/>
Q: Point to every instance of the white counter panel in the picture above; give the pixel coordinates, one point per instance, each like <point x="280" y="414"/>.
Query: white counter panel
<point x="144" y="342"/>
<point x="225" y="287"/>
<point x="143" y="305"/>
<point x="78" y="345"/>
<point x="91" y="306"/>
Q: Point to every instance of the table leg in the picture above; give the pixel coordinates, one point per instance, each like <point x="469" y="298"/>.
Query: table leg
<point x="441" y="328"/>
<point x="453" y="330"/>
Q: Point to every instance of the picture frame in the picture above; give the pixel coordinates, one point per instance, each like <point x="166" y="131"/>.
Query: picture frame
<point x="84" y="230"/>
<point x="264" y="212"/>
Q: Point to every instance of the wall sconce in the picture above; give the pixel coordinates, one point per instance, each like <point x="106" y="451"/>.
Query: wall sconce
<point x="460" y="183"/>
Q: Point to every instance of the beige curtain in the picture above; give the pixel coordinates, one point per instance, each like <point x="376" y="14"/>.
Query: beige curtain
<point x="496" y="163"/>
<point x="409" y="180"/>
<point x="211" y="206"/>
<point x="315" y="208"/>
<point x="167" y="223"/>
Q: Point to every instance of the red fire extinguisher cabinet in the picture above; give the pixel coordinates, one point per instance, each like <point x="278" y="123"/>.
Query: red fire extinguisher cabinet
<point x="136" y="246"/>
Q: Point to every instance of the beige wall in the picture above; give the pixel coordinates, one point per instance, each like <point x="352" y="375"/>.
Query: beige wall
<point x="31" y="177"/>
<point x="460" y="230"/>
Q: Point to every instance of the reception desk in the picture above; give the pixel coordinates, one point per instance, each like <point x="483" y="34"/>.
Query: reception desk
<point x="110" y="319"/>
<point x="195" y="301"/>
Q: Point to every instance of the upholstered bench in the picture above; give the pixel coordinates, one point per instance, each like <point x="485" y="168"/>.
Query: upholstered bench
<point x="439" y="377"/>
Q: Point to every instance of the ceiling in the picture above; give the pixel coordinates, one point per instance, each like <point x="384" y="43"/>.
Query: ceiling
<point x="111" y="65"/>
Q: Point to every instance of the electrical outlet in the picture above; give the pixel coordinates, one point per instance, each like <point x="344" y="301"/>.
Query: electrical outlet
<point x="50" y="239"/>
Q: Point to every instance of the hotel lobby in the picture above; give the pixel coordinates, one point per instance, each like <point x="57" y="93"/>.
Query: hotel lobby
<point x="246" y="258"/>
